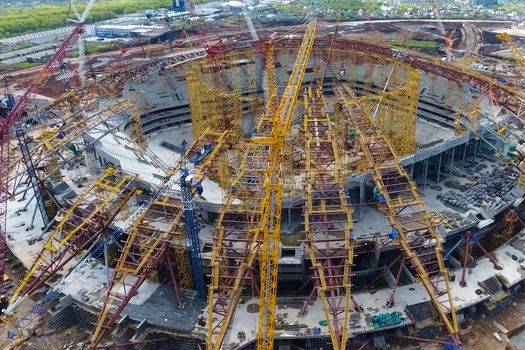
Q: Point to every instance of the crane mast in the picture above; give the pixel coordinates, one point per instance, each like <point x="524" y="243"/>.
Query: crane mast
<point x="273" y="186"/>
<point x="520" y="59"/>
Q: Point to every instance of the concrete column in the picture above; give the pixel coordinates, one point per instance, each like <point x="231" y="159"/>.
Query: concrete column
<point x="425" y="172"/>
<point x="452" y="160"/>
<point x="362" y="197"/>
<point x="289" y="216"/>
<point x="476" y="143"/>
<point x="412" y="170"/>
<point x="464" y="155"/>
<point x="439" y="167"/>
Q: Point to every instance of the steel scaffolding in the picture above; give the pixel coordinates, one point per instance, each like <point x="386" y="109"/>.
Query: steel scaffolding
<point x="150" y="235"/>
<point x="84" y="222"/>
<point x="412" y="226"/>
<point x="328" y="219"/>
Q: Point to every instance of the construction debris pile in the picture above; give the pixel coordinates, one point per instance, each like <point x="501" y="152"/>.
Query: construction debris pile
<point x="451" y="220"/>
<point x="486" y="190"/>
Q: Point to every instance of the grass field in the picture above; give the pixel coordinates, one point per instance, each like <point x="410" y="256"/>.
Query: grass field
<point x="423" y="44"/>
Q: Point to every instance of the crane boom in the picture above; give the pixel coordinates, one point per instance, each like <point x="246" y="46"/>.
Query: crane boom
<point x="520" y="59"/>
<point x="7" y="123"/>
<point x="273" y="184"/>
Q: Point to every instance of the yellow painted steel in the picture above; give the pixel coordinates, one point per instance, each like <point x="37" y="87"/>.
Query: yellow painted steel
<point x="246" y="201"/>
<point x="57" y="138"/>
<point x="397" y="111"/>
<point x="109" y="189"/>
<point x="123" y="269"/>
<point x="136" y="132"/>
<point x="327" y="169"/>
<point x="368" y="134"/>
<point x="273" y="184"/>
<point x="513" y="47"/>
<point x="262" y="164"/>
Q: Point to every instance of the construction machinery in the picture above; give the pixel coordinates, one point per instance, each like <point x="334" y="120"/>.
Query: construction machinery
<point x="77" y="227"/>
<point x="262" y="171"/>
<point x="518" y="56"/>
<point x="327" y="220"/>
<point x="398" y="198"/>
<point x="152" y="232"/>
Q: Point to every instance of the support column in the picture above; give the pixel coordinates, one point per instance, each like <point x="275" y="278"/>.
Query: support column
<point x="412" y="170"/>
<point x="362" y="198"/>
<point x="474" y="154"/>
<point x="439" y="167"/>
<point x="452" y="160"/>
<point x="464" y="155"/>
<point x="425" y="173"/>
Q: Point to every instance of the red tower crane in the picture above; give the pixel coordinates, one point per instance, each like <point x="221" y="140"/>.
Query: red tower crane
<point x="15" y="115"/>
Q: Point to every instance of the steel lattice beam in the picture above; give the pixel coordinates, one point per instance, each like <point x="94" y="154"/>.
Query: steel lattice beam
<point x="150" y="235"/>
<point x="328" y="219"/>
<point x="412" y="226"/>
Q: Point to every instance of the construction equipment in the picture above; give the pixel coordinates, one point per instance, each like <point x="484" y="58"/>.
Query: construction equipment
<point x="327" y="219"/>
<point x="18" y="333"/>
<point x="518" y="56"/>
<point x="253" y="207"/>
<point x="281" y="123"/>
<point x="84" y="222"/>
<point x="412" y="226"/>
<point x="151" y="234"/>
<point x="188" y="205"/>
<point x="448" y="39"/>
<point x="14" y="116"/>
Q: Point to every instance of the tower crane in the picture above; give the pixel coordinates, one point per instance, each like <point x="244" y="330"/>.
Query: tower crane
<point x="15" y="115"/>
<point x="518" y="56"/>
<point x="448" y="38"/>
<point x="147" y="245"/>
<point x="273" y="185"/>
<point x="79" y="20"/>
<point x="252" y="209"/>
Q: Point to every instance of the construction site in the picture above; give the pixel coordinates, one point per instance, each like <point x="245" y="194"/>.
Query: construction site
<point x="295" y="188"/>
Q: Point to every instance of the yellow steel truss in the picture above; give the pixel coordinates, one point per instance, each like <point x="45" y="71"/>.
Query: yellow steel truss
<point x="396" y="111"/>
<point x="327" y="219"/>
<point x="253" y="207"/>
<point x="520" y="59"/>
<point x="273" y="184"/>
<point x="150" y="233"/>
<point x="102" y="194"/>
<point x="135" y="128"/>
<point x="407" y="214"/>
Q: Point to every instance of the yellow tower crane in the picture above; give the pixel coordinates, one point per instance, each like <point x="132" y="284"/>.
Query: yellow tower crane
<point x="507" y="40"/>
<point x="273" y="186"/>
<point x="252" y="209"/>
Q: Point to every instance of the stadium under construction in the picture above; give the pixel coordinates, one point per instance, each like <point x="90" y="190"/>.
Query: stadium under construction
<point x="302" y="191"/>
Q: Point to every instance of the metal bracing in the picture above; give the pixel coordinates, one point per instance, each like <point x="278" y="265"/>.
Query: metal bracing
<point x="136" y="133"/>
<point x="236" y="243"/>
<point x="396" y="110"/>
<point x="236" y="239"/>
<point x="253" y="208"/>
<point x="270" y="225"/>
<point x="36" y="184"/>
<point x="518" y="56"/>
<point x="84" y="222"/>
<point x="151" y="233"/>
<point x="327" y="219"/>
<point x="18" y="333"/>
<point x="412" y="226"/>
